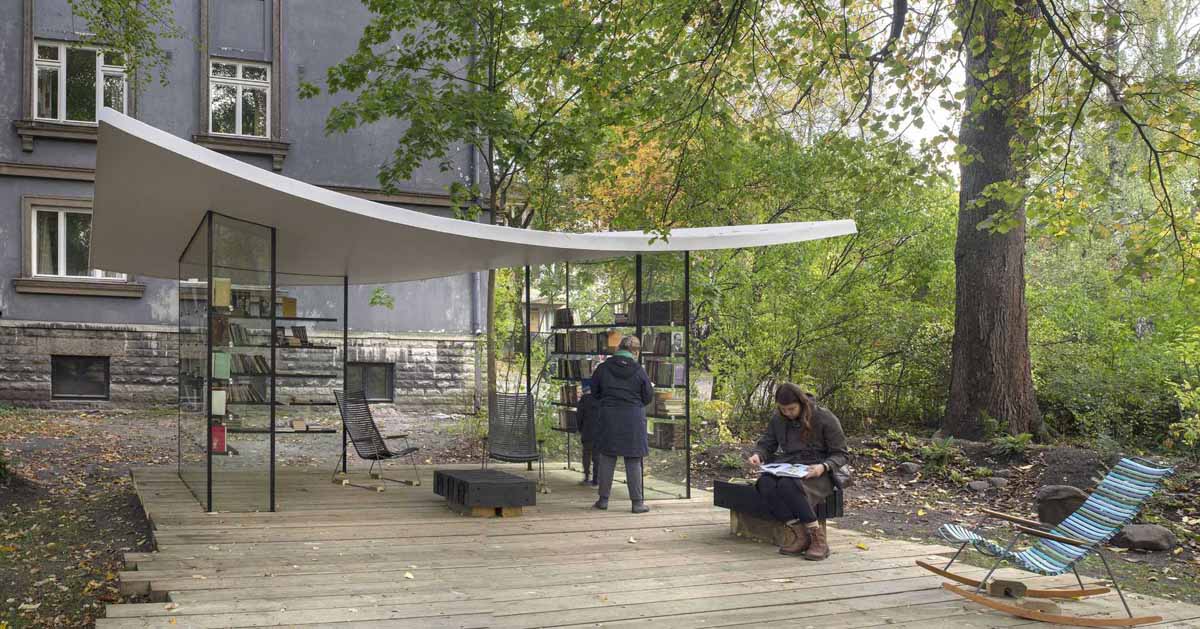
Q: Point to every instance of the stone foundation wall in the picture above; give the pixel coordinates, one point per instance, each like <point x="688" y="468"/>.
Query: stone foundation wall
<point x="433" y="373"/>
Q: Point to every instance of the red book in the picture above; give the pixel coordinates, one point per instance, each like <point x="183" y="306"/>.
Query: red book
<point x="218" y="439"/>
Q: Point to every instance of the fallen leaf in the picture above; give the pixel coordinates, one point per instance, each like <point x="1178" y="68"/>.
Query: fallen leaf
<point x="921" y="512"/>
<point x="783" y="580"/>
<point x="409" y="575"/>
<point x="632" y="540"/>
<point x="171" y="606"/>
<point x="862" y="546"/>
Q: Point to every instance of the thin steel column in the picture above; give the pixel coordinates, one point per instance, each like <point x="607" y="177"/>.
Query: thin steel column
<point x="271" y="413"/>
<point x="637" y="298"/>
<point x="687" y="364"/>
<point x="528" y="346"/>
<point x="345" y="353"/>
<point x="567" y="296"/>
<point x="208" y="216"/>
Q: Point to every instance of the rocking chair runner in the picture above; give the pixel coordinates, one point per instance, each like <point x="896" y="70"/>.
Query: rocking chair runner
<point x="1112" y="505"/>
<point x="512" y="436"/>
<point x="368" y="443"/>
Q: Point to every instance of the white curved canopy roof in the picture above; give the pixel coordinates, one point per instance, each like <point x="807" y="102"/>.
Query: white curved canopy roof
<point x="153" y="189"/>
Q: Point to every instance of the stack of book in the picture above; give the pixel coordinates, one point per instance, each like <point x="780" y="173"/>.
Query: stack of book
<point x="663" y="312"/>
<point x="569" y="394"/>
<point x="668" y="436"/>
<point x="568" y="420"/>
<point x="665" y="373"/>
<point x="572" y="368"/>
<point x="663" y="343"/>
<point x="226" y="333"/>
<point x="581" y="342"/>
<point x="564" y="318"/>
<point x="246" y="364"/>
<point x="665" y="404"/>
<point x="244" y="393"/>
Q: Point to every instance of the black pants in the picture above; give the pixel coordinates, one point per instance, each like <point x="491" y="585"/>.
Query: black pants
<point x="606" y="466"/>
<point x="786" y="498"/>
<point x="589" y="461"/>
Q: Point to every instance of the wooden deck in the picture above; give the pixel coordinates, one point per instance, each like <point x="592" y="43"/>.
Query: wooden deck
<point x="348" y="557"/>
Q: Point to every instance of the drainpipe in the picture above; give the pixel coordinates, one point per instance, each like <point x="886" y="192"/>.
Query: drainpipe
<point x="476" y="327"/>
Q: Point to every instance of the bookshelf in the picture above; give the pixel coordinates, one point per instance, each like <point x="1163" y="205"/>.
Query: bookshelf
<point x="252" y="364"/>
<point x="663" y="327"/>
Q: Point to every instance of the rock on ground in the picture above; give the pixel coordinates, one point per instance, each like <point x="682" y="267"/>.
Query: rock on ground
<point x="1145" y="537"/>
<point x="1056" y="502"/>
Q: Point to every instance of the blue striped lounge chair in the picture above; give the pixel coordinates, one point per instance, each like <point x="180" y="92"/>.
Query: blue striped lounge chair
<point x="1059" y="549"/>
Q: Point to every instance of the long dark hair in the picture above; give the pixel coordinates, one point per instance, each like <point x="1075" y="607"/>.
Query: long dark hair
<point x="789" y="393"/>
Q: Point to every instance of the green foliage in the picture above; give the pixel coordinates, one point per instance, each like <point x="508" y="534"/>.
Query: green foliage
<point x="1185" y="433"/>
<point x="731" y="461"/>
<point x="135" y="29"/>
<point x="4" y="472"/>
<point x="1011" y="446"/>
<point x="382" y="298"/>
<point x="980" y="473"/>
<point x="940" y="454"/>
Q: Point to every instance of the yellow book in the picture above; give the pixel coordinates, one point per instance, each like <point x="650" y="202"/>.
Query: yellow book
<point x="289" y="306"/>
<point x="222" y="292"/>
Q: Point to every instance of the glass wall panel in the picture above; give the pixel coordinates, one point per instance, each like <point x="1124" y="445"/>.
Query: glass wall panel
<point x="192" y="448"/>
<point x="242" y="416"/>
<point x="664" y="356"/>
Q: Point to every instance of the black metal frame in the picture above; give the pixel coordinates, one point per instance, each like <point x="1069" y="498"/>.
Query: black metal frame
<point x="272" y="345"/>
<point x="638" y="330"/>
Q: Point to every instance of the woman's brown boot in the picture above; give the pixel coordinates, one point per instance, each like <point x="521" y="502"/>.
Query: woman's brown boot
<point x="819" y="548"/>
<point x="800" y="539"/>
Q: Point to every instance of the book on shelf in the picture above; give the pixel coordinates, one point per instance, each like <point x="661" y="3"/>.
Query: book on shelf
<point x="288" y="306"/>
<point x="299" y="424"/>
<point x="663" y="343"/>
<point x="301" y="333"/>
<point x="569" y="393"/>
<point x="665" y="373"/>
<point x="577" y="367"/>
<point x="222" y="292"/>
<point x="564" y="318"/>
<point x="218" y="402"/>
<point x="245" y="393"/>
<point x="220" y="366"/>
<point x="583" y="342"/>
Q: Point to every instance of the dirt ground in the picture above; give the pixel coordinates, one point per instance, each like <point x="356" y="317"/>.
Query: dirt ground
<point x="885" y="503"/>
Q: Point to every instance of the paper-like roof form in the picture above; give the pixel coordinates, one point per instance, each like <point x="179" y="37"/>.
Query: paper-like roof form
<point x="153" y="189"/>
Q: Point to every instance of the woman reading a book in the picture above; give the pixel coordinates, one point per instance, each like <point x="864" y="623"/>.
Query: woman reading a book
<point x="623" y="390"/>
<point x="800" y="432"/>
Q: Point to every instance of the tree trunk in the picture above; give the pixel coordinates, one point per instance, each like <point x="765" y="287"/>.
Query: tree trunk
<point x="990" y="372"/>
<point x="491" y="316"/>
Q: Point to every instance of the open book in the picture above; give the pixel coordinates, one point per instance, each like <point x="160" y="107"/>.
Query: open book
<point x="785" y="469"/>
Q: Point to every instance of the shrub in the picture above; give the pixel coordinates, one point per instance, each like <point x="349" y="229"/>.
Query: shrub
<point x="731" y="461"/>
<point x="982" y="472"/>
<point x="1011" y="446"/>
<point x="940" y="453"/>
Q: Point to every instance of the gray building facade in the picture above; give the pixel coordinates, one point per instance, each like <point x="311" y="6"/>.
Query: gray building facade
<point x="72" y="335"/>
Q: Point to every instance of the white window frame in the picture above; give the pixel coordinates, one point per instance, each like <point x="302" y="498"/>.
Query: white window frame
<point x="93" y="274"/>
<point x="60" y="64"/>
<point x="239" y="83"/>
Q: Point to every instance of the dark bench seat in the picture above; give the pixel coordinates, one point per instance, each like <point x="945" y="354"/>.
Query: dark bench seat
<point x="484" y="493"/>
<point x="749" y="516"/>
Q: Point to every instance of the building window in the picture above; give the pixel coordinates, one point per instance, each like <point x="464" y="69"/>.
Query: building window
<point x="71" y="83"/>
<point x="60" y="244"/>
<point x="375" y="379"/>
<point x="79" y="377"/>
<point x="239" y="98"/>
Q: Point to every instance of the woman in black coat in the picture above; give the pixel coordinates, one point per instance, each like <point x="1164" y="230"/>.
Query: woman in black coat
<point x="623" y="390"/>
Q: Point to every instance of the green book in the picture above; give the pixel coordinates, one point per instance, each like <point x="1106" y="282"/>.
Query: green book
<point x="220" y="366"/>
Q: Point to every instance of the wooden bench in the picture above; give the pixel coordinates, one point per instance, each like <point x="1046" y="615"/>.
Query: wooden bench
<point x="484" y="493"/>
<point x="749" y="516"/>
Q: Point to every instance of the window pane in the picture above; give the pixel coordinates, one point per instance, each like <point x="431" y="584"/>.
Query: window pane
<point x="254" y="112"/>
<point x="254" y="73"/>
<point x="114" y="91"/>
<point x="379" y="382"/>
<point x="354" y="378"/>
<point x="228" y="70"/>
<point x="79" y="230"/>
<point x="79" y="376"/>
<point x="47" y="93"/>
<point x="81" y="85"/>
<point x="224" y="108"/>
<point x="46" y="247"/>
<point x="47" y="52"/>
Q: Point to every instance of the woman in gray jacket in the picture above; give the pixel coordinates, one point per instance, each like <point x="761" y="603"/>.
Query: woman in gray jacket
<point x="800" y="432"/>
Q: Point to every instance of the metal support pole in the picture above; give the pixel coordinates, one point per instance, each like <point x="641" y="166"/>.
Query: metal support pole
<point x="271" y="412"/>
<point x="528" y="351"/>
<point x="208" y="367"/>
<point x="345" y="353"/>
<point x="637" y="288"/>
<point x="567" y="294"/>
<point x="687" y="366"/>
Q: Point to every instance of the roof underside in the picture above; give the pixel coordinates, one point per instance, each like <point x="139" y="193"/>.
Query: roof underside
<point x="153" y="189"/>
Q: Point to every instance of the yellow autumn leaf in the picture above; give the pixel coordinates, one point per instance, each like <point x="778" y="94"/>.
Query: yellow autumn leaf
<point x="409" y="575"/>
<point x="920" y="512"/>
<point x="862" y="546"/>
<point x="8" y="549"/>
<point x="877" y="468"/>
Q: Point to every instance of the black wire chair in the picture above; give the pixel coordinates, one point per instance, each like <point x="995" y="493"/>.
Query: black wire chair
<point x="512" y="435"/>
<point x="368" y="443"/>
